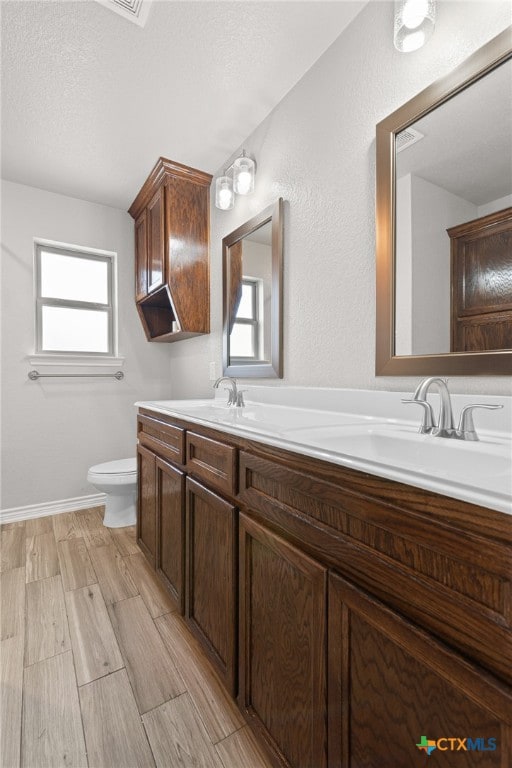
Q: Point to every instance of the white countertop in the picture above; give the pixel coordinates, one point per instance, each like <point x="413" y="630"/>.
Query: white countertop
<point x="370" y="431"/>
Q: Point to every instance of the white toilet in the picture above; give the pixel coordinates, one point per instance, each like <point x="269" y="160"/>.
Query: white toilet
<point x="118" y="479"/>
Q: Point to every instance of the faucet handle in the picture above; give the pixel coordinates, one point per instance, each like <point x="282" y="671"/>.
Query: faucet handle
<point x="466" y="430"/>
<point x="428" y="423"/>
<point x="240" y="398"/>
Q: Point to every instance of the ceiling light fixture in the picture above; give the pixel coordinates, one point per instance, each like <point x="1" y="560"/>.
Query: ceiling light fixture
<point x="241" y="182"/>
<point x="414" y="23"/>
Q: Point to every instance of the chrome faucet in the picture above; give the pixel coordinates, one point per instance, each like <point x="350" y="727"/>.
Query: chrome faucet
<point x="235" y="396"/>
<point x="445" y="428"/>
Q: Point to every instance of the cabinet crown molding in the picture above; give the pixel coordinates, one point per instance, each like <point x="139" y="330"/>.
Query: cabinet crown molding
<point x="164" y="168"/>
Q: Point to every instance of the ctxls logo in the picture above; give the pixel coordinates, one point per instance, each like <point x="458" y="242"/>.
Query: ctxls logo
<point x="426" y="745"/>
<point x="454" y="744"/>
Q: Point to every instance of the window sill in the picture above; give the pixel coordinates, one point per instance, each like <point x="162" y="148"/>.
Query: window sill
<point x="76" y="360"/>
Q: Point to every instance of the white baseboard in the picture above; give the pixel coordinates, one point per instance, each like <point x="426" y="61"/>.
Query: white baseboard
<point x="15" y="514"/>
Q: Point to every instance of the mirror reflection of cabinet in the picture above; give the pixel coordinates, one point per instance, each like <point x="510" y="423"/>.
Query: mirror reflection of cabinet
<point x="443" y="159"/>
<point x="481" y="308"/>
<point x="252" y="288"/>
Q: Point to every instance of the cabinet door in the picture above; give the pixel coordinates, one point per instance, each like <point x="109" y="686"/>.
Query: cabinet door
<point x="481" y="295"/>
<point x="156" y="241"/>
<point x="170" y="514"/>
<point x="211" y="577"/>
<point x="141" y="257"/>
<point x="146" y="503"/>
<point x="282" y="645"/>
<point x="395" y="692"/>
<point x="187" y="229"/>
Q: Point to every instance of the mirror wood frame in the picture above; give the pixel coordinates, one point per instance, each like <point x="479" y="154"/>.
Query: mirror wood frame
<point x="491" y="363"/>
<point x="274" y="368"/>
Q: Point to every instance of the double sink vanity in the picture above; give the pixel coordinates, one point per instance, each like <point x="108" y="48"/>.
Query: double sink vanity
<point x="343" y="557"/>
<point x="349" y="577"/>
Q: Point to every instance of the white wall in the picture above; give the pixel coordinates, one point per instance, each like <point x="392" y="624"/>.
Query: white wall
<point x="317" y="151"/>
<point x="495" y="205"/>
<point x="403" y="267"/>
<point x="434" y="210"/>
<point x="423" y="277"/>
<point x="54" y="429"/>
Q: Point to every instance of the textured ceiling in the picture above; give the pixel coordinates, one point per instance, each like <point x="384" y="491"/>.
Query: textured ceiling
<point x="479" y="116"/>
<point x="90" y="100"/>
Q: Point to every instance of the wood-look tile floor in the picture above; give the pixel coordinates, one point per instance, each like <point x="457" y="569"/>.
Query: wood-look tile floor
<point x="97" y="668"/>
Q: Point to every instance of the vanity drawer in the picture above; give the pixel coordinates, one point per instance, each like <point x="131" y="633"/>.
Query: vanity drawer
<point x="166" y="440"/>
<point x="212" y="461"/>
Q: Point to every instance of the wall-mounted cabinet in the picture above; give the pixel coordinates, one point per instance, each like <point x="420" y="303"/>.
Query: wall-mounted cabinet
<point x="172" y="277"/>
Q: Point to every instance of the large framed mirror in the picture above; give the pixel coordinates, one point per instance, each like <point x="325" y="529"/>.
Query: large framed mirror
<point x="252" y="267"/>
<point x="444" y="224"/>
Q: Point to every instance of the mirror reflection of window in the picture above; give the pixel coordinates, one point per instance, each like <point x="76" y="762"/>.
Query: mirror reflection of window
<point x="251" y="269"/>
<point x="247" y="329"/>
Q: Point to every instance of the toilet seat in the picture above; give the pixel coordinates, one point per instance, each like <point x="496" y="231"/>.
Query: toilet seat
<point x="125" y="467"/>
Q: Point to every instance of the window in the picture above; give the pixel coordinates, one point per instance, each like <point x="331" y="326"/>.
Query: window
<point x="244" y="340"/>
<point x="75" y="311"/>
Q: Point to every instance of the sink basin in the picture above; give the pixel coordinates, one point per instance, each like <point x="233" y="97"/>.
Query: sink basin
<point x="485" y="463"/>
<point x="255" y="417"/>
<point x="478" y="472"/>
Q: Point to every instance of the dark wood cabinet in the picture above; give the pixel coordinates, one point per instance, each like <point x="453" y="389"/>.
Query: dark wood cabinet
<point x="444" y="563"/>
<point x="141" y="256"/>
<point x="189" y="533"/>
<point x="352" y="616"/>
<point x="172" y="280"/>
<point x="282" y="645"/>
<point x="393" y="688"/>
<point x="146" y="503"/>
<point x="187" y="216"/>
<point x="163" y="439"/>
<point x="170" y="516"/>
<point x="481" y="253"/>
<point x="212" y="461"/>
<point x="211" y="604"/>
<point x="155" y="273"/>
<point x="161" y="502"/>
<point x="150" y="262"/>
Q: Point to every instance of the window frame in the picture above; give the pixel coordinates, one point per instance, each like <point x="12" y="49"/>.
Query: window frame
<point x="110" y="309"/>
<point x="256" y="321"/>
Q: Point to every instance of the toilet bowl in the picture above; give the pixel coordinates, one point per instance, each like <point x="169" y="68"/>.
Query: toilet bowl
<point x="118" y="479"/>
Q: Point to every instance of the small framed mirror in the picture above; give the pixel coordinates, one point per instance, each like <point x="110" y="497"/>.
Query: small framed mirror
<point x="444" y="224"/>
<point x="252" y="269"/>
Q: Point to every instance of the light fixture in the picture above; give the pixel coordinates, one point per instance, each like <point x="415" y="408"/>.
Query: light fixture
<point x="414" y="23"/>
<point x="241" y="182"/>
<point x="243" y="175"/>
<point x="224" y="195"/>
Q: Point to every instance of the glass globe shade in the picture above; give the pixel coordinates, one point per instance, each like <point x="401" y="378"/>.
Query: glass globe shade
<point x="414" y="24"/>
